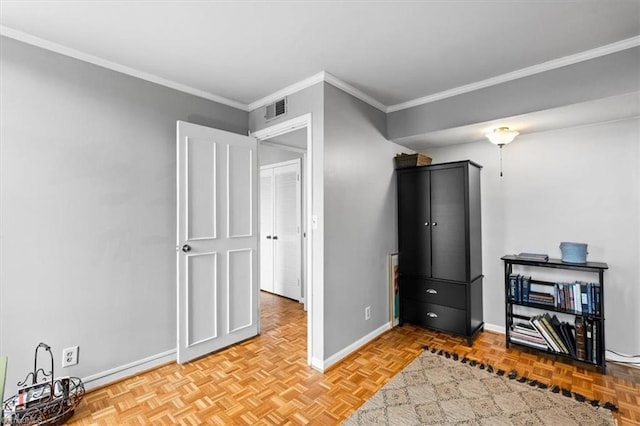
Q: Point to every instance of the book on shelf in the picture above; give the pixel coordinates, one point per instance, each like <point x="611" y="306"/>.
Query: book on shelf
<point x="594" y="342"/>
<point x="526" y="328"/>
<point x="543" y="298"/>
<point x="529" y="333"/>
<point x="567" y="333"/>
<point x="582" y="298"/>
<point x="525" y="333"/>
<point x="588" y="339"/>
<point x="577" y="306"/>
<point x="545" y="333"/>
<point x="537" y="257"/>
<point x="525" y="287"/>
<point x="561" y="331"/>
<point x="513" y="287"/>
<point x="581" y="349"/>
<point x="526" y="342"/>
<point x="596" y="298"/>
<point x="557" y="335"/>
<point x="577" y="297"/>
<point x="519" y="338"/>
<point x="550" y="323"/>
<point x="559" y="287"/>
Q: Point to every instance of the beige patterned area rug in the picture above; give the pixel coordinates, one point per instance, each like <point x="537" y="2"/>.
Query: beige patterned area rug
<point x="441" y="389"/>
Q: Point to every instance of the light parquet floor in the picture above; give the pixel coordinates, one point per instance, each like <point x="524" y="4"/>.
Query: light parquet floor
<point x="265" y="380"/>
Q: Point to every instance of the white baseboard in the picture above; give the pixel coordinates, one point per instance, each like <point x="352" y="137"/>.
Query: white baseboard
<point x="317" y="364"/>
<point x="354" y="346"/>
<point x="496" y="328"/>
<point x="123" y="371"/>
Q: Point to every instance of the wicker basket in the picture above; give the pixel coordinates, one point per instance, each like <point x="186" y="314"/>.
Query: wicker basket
<point x="411" y="160"/>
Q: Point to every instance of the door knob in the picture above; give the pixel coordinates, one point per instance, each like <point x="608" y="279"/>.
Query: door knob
<point x="186" y="248"/>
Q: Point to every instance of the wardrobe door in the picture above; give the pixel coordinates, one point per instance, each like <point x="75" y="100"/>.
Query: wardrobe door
<point x="414" y="223"/>
<point x="448" y="224"/>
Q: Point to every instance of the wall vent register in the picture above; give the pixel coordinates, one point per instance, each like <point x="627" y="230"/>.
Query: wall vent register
<point x="276" y="109"/>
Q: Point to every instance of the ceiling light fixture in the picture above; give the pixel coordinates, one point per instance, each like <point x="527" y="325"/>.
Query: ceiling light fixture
<point x="501" y="136"/>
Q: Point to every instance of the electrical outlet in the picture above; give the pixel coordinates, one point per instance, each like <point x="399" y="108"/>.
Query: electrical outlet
<point x="70" y="356"/>
<point x="367" y="313"/>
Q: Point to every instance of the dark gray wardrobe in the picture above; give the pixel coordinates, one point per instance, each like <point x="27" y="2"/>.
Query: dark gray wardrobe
<point x="440" y="247"/>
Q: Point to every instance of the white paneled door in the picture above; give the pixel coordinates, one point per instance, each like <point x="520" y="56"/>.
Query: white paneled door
<point x="280" y="225"/>
<point x="217" y="240"/>
<point x="266" y="229"/>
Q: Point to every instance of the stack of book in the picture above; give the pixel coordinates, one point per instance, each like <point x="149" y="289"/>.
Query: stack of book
<point x="536" y="257"/>
<point x="519" y="287"/>
<point x="559" y="336"/>
<point x="548" y="333"/>
<point x="579" y="297"/>
<point x="526" y="334"/>
<point x="541" y="298"/>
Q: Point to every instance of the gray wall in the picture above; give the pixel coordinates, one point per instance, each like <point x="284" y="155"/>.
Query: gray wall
<point x="88" y="210"/>
<point x="360" y="218"/>
<point x="354" y="199"/>
<point x="309" y="101"/>
<point x="609" y="75"/>
<point x="576" y="184"/>
<point x="272" y="155"/>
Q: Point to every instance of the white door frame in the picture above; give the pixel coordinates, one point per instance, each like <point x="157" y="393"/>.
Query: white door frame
<point x="301" y="122"/>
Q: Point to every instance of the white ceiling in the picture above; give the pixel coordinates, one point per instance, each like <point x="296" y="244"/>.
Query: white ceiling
<point x="392" y="51"/>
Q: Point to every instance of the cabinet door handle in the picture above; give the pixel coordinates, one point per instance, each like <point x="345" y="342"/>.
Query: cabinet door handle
<point x="434" y="224"/>
<point x="268" y="237"/>
<point x="431" y="291"/>
<point x="426" y="224"/>
<point x="432" y="315"/>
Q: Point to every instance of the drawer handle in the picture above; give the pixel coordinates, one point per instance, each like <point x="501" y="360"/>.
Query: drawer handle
<point x="431" y="291"/>
<point x="432" y="315"/>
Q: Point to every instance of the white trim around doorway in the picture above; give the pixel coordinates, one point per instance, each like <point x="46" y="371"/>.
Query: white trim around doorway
<point x="313" y="317"/>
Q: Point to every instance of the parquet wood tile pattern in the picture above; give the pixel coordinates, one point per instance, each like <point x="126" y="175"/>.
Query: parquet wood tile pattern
<point x="265" y="380"/>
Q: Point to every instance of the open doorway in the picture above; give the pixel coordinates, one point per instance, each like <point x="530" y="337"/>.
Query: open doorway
<point x="281" y="230"/>
<point x="284" y="142"/>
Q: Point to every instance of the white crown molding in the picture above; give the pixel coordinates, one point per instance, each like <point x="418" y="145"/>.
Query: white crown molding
<point x="346" y="87"/>
<point x="82" y="56"/>
<point x="524" y="72"/>
<point x="295" y="87"/>
<point x="324" y="76"/>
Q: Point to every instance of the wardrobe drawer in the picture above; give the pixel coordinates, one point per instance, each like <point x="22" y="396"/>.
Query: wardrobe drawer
<point x="434" y="316"/>
<point x="436" y="292"/>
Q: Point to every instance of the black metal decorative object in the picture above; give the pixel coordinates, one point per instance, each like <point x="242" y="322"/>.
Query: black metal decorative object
<point x="43" y="399"/>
